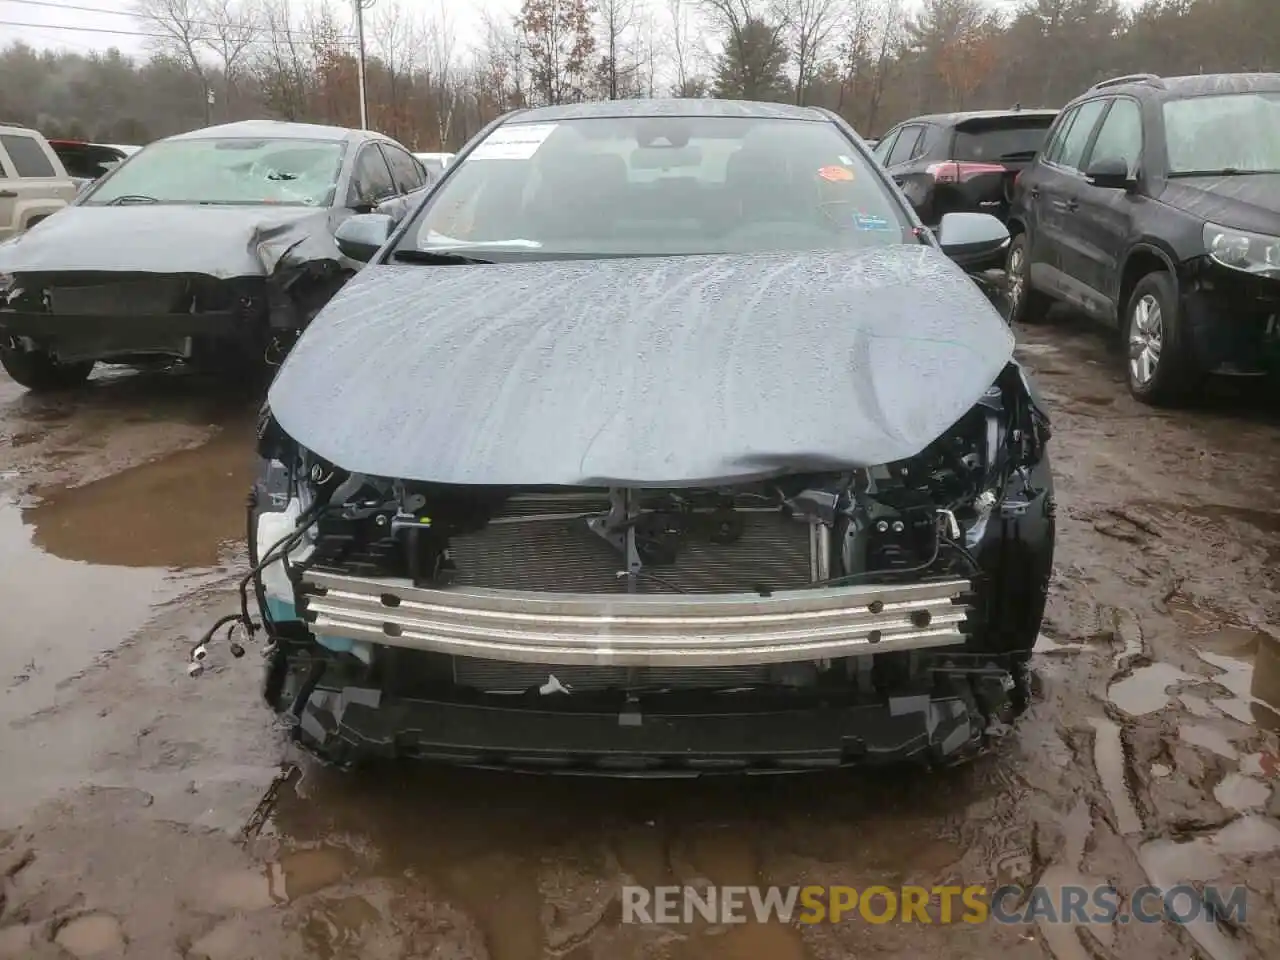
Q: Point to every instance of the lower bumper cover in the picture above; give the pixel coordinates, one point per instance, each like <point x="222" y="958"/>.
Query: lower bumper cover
<point x="357" y="723"/>
<point x="163" y="327"/>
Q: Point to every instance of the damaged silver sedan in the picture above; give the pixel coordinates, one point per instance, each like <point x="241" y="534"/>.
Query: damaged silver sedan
<point x="660" y="439"/>
<point x="213" y="247"/>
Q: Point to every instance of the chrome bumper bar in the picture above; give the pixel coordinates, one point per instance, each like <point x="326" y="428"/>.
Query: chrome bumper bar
<point x="642" y="630"/>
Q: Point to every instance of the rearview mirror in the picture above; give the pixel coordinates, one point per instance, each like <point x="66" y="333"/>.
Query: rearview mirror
<point x="361" y="236"/>
<point x="1111" y="173"/>
<point x="976" y="241"/>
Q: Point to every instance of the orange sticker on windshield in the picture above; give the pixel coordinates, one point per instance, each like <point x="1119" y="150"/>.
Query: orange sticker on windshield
<point x="835" y="173"/>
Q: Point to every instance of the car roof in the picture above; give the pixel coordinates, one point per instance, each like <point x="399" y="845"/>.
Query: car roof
<point x="279" y="130"/>
<point x="666" y="107"/>
<point x="1191" y="85"/>
<point x="951" y="119"/>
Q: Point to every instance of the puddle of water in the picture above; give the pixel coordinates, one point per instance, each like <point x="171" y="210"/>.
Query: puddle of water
<point x="85" y="571"/>
<point x="1197" y="706"/>
<point x="91" y="935"/>
<point x="84" y="568"/>
<point x="1146" y="689"/>
<point x="1208" y="738"/>
<point x="178" y="511"/>
<point x="1108" y="758"/>
<point x="1239" y="792"/>
<point x="1253" y="681"/>
<point x="295" y="874"/>
<point x="1168" y="863"/>
<point x="537" y="869"/>
<point x="61" y="614"/>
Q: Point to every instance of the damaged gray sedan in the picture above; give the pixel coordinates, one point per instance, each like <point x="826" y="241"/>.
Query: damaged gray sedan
<point x="213" y="247"/>
<point x="660" y="439"/>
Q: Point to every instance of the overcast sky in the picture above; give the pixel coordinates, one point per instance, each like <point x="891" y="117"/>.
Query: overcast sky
<point x="86" y="25"/>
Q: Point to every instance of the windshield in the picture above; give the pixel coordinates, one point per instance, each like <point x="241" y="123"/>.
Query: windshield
<point x="1237" y="132"/>
<point x="226" y="171"/>
<point x="659" y="186"/>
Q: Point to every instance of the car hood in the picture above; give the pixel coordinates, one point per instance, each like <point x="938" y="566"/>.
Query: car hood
<point x="1248" y="202"/>
<point x="641" y="371"/>
<point x="220" y="241"/>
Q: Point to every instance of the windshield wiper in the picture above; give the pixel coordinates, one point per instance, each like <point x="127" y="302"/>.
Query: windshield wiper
<point x="1220" y="172"/>
<point x="1018" y="155"/>
<point x="435" y="256"/>
<point x="130" y="198"/>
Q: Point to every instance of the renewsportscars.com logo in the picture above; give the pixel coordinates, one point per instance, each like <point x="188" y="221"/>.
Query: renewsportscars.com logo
<point x="941" y="905"/>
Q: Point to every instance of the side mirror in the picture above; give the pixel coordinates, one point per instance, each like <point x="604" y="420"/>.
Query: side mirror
<point x="976" y="241"/>
<point x="361" y="236"/>
<point x="1110" y="173"/>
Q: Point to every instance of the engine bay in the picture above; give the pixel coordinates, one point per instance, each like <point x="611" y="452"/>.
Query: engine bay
<point x="916" y="518"/>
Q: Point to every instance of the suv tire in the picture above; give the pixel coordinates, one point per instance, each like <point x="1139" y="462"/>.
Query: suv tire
<point x="40" y="372"/>
<point x="1160" y="365"/>
<point x="1026" y="304"/>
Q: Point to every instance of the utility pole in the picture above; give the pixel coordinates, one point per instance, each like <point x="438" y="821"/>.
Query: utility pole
<point x="361" y="6"/>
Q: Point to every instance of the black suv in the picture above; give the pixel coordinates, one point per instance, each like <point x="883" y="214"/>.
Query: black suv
<point x="962" y="162"/>
<point x="1155" y="204"/>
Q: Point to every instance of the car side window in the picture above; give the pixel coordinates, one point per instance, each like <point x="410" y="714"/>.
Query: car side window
<point x="405" y="171"/>
<point x="371" y="181"/>
<point x="905" y="147"/>
<point x="884" y="146"/>
<point x="27" y="156"/>
<point x="1053" y="146"/>
<point x="1120" y="136"/>
<point x="1077" y="138"/>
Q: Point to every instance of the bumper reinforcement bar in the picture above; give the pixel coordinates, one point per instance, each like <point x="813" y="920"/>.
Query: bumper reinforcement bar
<point x="639" y="629"/>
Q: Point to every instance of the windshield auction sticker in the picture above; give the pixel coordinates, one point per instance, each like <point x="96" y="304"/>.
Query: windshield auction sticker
<point x="513" y="141"/>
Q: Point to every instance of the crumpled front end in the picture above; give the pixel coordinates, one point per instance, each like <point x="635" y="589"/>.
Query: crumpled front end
<point x="808" y="620"/>
<point x="124" y="284"/>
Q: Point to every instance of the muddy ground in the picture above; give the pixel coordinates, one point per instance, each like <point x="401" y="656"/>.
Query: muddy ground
<point x="146" y="814"/>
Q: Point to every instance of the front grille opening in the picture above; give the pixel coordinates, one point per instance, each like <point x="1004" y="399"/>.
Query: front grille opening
<point x="563" y="555"/>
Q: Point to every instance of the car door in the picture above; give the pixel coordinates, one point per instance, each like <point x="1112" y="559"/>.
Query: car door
<point x="406" y="171"/>
<point x="371" y="180"/>
<point x="1057" y="261"/>
<point x="8" y="198"/>
<point x="1103" y="220"/>
<point x="33" y="184"/>
<point x="410" y="180"/>
<point x="906" y="165"/>
<point x="881" y="149"/>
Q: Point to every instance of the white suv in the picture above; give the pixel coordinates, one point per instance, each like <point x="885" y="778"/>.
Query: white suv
<point x="33" y="182"/>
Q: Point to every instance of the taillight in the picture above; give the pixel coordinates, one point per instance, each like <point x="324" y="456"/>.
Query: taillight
<point x="954" y="171"/>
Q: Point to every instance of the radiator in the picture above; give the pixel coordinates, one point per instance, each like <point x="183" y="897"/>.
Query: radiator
<point x="545" y="544"/>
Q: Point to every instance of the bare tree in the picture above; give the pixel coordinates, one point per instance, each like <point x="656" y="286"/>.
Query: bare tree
<point x="190" y="29"/>
<point x="857" y="36"/>
<point x="441" y="43"/>
<point x="892" y="25"/>
<point x="281" y="63"/>
<point x="812" y="24"/>
<point x="616" y="19"/>
<point x="395" y="45"/>
<point x="181" y="35"/>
